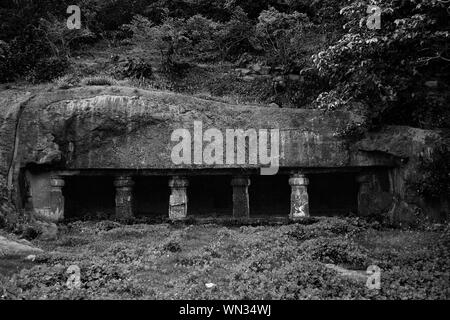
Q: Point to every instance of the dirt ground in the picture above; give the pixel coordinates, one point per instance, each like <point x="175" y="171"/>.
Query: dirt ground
<point x="320" y="258"/>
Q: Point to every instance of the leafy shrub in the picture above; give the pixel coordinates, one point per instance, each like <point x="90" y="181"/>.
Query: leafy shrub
<point x="302" y="93"/>
<point x="121" y="253"/>
<point x="135" y="68"/>
<point x="236" y="36"/>
<point x="198" y="38"/>
<point x="168" y="39"/>
<point x="435" y="184"/>
<point x="48" y="69"/>
<point x="173" y="242"/>
<point x="295" y="280"/>
<point x="29" y="231"/>
<point x="259" y="90"/>
<point x="336" y="251"/>
<point x="106" y="225"/>
<point x="198" y="259"/>
<point x="109" y="15"/>
<point x="38" y="41"/>
<point x="329" y="227"/>
<point x="5" y="59"/>
<point x="204" y="37"/>
<point x="281" y="35"/>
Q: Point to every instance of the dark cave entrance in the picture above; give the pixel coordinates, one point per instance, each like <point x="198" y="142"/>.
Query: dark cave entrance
<point x="151" y="196"/>
<point x="210" y="195"/>
<point x="89" y="196"/>
<point x="269" y="195"/>
<point x="333" y="194"/>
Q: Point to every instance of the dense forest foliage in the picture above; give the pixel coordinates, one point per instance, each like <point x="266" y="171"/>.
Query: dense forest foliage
<point x="397" y="73"/>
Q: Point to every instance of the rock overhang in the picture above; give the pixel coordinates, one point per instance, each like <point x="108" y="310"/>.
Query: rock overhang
<point x="127" y="128"/>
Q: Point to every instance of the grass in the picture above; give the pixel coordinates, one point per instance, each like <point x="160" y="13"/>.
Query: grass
<point x="165" y="261"/>
<point x="99" y="81"/>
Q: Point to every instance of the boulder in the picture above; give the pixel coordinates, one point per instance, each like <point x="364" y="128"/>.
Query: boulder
<point x="14" y="248"/>
<point x="357" y="275"/>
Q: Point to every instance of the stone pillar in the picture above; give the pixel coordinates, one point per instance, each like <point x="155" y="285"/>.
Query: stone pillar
<point x="56" y="199"/>
<point x="299" y="196"/>
<point x="178" y="201"/>
<point x="124" y="197"/>
<point x="241" y="206"/>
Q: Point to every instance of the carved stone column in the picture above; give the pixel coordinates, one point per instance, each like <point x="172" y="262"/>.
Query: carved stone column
<point x="178" y="201"/>
<point x="299" y="196"/>
<point x="56" y="199"/>
<point x="241" y="206"/>
<point x="124" y="197"/>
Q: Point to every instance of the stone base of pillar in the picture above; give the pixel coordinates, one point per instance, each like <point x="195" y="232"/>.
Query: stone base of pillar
<point x="299" y="196"/>
<point x="241" y="206"/>
<point x="124" y="197"/>
<point x="178" y="200"/>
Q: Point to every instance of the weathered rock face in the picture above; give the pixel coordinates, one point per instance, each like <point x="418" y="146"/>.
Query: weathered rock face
<point x="407" y="145"/>
<point x="105" y="128"/>
<point x="11" y="107"/>
<point x="120" y="128"/>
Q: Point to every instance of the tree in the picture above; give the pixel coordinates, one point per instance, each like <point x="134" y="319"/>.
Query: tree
<point x="400" y="71"/>
<point x="280" y="35"/>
